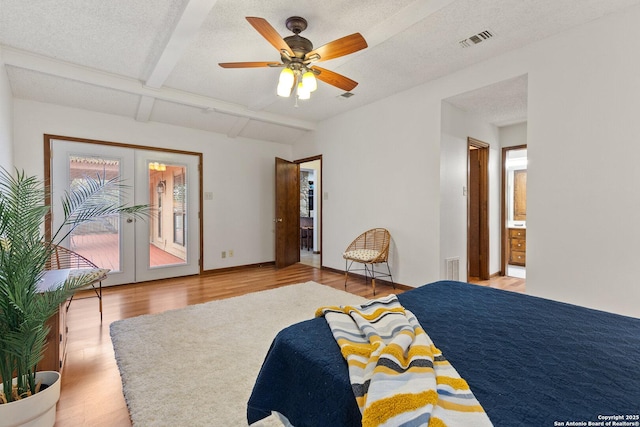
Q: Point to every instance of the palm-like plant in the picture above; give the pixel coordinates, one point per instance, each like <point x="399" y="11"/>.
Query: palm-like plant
<point x="24" y="254"/>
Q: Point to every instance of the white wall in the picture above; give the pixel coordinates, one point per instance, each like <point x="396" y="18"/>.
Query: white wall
<point x="377" y="174"/>
<point x="6" y="127"/>
<point x="583" y="178"/>
<point x="513" y="135"/>
<point x="381" y="166"/>
<point x="239" y="172"/>
<point x="457" y="125"/>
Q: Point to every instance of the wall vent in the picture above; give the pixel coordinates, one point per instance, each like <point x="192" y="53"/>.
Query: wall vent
<point x="452" y="268"/>
<point x="477" y="38"/>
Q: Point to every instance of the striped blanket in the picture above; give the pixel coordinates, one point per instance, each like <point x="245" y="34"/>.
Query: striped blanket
<point x="398" y="376"/>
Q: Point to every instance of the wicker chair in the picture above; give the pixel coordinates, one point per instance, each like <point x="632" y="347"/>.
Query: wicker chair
<point x="63" y="258"/>
<point x="369" y="248"/>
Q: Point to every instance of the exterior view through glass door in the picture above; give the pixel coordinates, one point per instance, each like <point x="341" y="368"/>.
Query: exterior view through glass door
<point x="167" y="188"/>
<point x="167" y="243"/>
<point x="97" y="241"/>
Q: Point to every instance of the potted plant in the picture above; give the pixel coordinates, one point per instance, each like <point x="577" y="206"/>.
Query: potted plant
<point x="24" y="253"/>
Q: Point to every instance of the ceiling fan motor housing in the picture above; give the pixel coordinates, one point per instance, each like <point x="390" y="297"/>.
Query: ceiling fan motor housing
<point x="298" y="44"/>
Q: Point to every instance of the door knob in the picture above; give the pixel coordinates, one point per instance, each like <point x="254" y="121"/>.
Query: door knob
<point x="129" y="220"/>
<point x="277" y="220"/>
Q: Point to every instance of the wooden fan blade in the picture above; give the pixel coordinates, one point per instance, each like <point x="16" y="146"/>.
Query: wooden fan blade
<point x="268" y="32"/>
<point x="334" y="79"/>
<point x="337" y="48"/>
<point x="249" y="64"/>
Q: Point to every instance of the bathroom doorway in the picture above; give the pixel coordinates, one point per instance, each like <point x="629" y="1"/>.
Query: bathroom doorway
<point x="514" y="211"/>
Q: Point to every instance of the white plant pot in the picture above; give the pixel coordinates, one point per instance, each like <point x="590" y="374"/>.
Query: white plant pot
<point x="38" y="410"/>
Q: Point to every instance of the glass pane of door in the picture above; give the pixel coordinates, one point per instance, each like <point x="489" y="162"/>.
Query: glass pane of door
<point x="167" y="225"/>
<point x="98" y="241"/>
<point x="110" y="242"/>
<point x="168" y="242"/>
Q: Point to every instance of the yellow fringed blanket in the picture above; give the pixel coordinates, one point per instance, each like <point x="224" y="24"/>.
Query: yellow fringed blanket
<point x="398" y="376"/>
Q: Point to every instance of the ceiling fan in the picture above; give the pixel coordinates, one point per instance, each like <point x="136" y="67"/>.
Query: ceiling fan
<point x="297" y="56"/>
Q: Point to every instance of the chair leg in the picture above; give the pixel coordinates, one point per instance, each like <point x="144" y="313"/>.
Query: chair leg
<point x="390" y="276"/>
<point x="366" y="273"/>
<point x="373" y="278"/>
<point x="100" y="299"/>
<point x="346" y="273"/>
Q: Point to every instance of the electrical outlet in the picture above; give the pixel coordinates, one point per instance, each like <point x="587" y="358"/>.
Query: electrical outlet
<point x="230" y="252"/>
<point x="224" y="254"/>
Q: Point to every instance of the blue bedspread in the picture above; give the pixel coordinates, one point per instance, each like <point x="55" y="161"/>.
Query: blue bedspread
<point x="529" y="361"/>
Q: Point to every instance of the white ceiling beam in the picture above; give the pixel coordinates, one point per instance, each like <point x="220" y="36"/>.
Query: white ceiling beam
<point x="185" y="31"/>
<point x="145" y="107"/>
<point x="238" y="126"/>
<point x="54" y="67"/>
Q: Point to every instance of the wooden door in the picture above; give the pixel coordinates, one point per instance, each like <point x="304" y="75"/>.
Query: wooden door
<point x="287" y="220"/>
<point x="474" y="214"/>
<point x="478" y="210"/>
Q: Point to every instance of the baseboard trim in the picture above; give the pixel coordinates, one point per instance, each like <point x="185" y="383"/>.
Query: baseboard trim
<point x="239" y="267"/>
<point x="382" y="281"/>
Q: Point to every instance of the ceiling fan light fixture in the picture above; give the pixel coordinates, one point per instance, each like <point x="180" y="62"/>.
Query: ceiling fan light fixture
<point x="309" y="81"/>
<point x="286" y="77"/>
<point x="303" y="93"/>
<point x="286" y="82"/>
<point x="283" y="90"/>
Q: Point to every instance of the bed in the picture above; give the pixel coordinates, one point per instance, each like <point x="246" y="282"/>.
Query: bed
<point x="529" y="361"/>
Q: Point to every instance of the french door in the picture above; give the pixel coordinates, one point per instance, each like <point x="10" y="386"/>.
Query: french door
<point x="167" y="242"/>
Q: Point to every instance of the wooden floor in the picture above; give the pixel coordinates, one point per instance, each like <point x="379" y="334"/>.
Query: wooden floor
<point x="91" y="388"/>
<point x="502" y="282"/>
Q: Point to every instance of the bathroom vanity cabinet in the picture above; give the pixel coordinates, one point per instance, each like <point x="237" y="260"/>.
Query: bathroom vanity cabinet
<point x="517" y="246"/>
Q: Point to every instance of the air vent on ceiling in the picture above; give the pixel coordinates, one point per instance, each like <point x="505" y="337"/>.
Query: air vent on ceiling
<point x="477" y="38"/>
<point x="346" y="95"/>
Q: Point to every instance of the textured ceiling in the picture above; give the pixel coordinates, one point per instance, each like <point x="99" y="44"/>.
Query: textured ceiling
<point x="501" y="104"/>
<point x="157" y="61"/>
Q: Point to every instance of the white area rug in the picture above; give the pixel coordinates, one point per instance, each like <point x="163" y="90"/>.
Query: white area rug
<point x="196" y="366"/>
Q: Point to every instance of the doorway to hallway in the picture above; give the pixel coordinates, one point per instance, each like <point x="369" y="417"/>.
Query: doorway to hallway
<point x="310" y="211"/>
